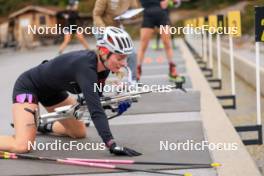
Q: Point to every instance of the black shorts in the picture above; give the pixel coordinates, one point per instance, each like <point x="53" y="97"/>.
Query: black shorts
<point x="25" y="85"/>
<point x="154" y="17"/>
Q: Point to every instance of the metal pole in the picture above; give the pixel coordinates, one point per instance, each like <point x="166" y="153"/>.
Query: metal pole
<point x="219" y="70"/>
<point x="202" y="38"/>
<point x="211" y="64"/>
<point x="205" y="47"/>
<point x="232" y="68"/>
<point x="258" y="85"/>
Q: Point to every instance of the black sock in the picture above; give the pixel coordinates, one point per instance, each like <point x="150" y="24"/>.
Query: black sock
<point x="46" y="128"/>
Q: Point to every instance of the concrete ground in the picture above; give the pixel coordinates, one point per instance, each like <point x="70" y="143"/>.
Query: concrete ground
<point x="144" y="130"/>
<point x="245" y="114"/>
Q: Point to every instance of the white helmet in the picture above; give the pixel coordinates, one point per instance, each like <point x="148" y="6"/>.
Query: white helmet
<point x="116" y="40"/>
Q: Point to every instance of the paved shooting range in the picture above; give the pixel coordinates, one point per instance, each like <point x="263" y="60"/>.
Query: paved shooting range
<point x="187" y="104"/>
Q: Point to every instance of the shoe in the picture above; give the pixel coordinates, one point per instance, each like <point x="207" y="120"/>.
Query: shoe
<point x="173" y="75"/>
<point x="172" y="71"/>
<point x="157" y="46"/>
<point x="154" y="46"/>
<point x="139" y="72"/>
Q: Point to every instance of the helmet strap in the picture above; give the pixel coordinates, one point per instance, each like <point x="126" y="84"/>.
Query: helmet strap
<point x="104" y="55"/>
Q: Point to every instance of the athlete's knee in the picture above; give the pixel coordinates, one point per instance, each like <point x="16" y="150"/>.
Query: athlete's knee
<point x="21" y="147"/>
<point x="79" y="133"/>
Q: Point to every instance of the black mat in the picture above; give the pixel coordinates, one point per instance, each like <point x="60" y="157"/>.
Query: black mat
<point x="174" y="101"/>
<point x="161" y="53"/>
<point x="154" y="62"/>
<point x="162" y="80"/>
<point x="148" y="70"/>
<point x="144" y="138"/>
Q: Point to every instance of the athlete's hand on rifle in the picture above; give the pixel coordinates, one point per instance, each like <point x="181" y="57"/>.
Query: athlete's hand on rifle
<point x="123" y="106"/>
<point x="122" y="151"/>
